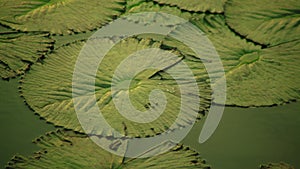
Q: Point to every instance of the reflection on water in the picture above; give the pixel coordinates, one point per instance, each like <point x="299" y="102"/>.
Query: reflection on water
<point x="18" y="124"/>
<point x="248" y="137"/>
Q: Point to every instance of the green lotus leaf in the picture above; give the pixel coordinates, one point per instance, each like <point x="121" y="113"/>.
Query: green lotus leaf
<point x="254" y="75"/>
<point x="59" y="16"/>
<point x="68" y="39"/>
<point x="18" y="50"/>
<point x="265" y="22"/>
<point x="229" y="46"/>
<point x="137" y="6"/>
<point x="186" y="158"/>
<point x="65" y="149"/>
<point x="280" y="165"/>
<point x="264" y="78"/>
<point x="47" y="88"/>
<point x="143" y="84"/>
<point x="214" y="6"/>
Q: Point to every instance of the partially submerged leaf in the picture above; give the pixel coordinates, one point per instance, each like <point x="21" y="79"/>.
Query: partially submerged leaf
<point x="63" y="149"/>
<point x="214" y="6"/>
<point x="68" y="39"/>
<point x="59" y="16"/>
<point x="265" y="22"/>
<point x="139" y="6"/>
<point x="20" y="49"/>
<point x="280" y="165"/>
<point x="47" y="89"/>
<point x="178" y="157"/>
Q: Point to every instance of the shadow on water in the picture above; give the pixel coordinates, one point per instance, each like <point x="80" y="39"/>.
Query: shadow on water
<point x="18" y="124"/>
<point x="246" y="138"/>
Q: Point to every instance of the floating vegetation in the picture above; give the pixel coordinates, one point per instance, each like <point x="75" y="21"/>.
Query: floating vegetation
<point x="66" y="149"/>
<point x="213" y="6"/>
<point x="258" y="44"/>
<point x="59" y="16"/>
<point x="51" y="98"/>
<point x="19" y="50"/>
<point x="268" y="24"/>
<point x="280" y="165"/>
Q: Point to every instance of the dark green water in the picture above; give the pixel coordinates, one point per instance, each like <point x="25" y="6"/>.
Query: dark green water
<point x="249" y="137"/>
<point x="18" y="124"/>
<point x="244" y="139"/>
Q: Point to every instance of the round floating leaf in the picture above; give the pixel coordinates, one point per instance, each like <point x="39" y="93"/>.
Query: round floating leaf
<point x="64" y="149"/>
<point x="47" y="89"/>
<point x="20" y="49"/>
<point x="229" y="46"/>
<point x="141" y="87"/>
<point x="255" y="76"/>
<point x="267" y="77"/>
<point x="265" y="22"/>
<point x="137" y="6"/>
<point x="59" y="16"/>
<point x="178" y="157"/>
<point x="215" y="6"/>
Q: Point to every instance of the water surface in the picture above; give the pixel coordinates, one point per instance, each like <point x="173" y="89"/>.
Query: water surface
<point x="249" y="137"/>
<point x="244" y="139"/>
<point x="18" y="124"/>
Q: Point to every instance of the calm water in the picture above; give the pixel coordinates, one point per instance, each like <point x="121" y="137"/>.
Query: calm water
<point x="244" y="139"/>
<point x="18" y="125"/>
